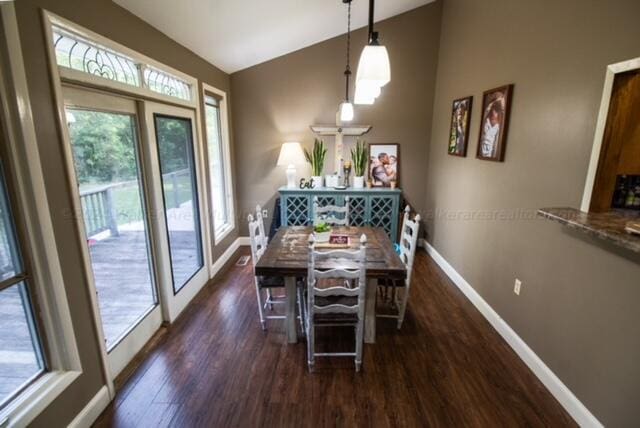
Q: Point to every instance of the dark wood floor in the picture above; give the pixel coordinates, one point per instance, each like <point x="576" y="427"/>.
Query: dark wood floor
<point x="215" y="367"/>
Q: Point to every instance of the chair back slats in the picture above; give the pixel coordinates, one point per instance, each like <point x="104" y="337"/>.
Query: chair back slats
<point x="260" y="220"/>
<point x="358" y="275"/>
<point x="336" y="300"/>
<point x="336" y="291"/>
<point x="335" y="254"/>
<point x="337" y="273"/>
<point x="409" y="241"/>
<point x="336" y="309"/>
<point x="258" y="241"/>
<point x="332" y="215"/>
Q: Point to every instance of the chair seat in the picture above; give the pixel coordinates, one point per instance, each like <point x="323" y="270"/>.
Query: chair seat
<point x="385" y="282"/>
<point x="275" y="281"/>
<point x="347" y="319"/>
<point x="336" y="300"/>
<point x="270" y="281"/>
<point x="321" y="301"/>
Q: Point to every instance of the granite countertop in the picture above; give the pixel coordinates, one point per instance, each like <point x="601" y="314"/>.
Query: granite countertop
<point x="609" y="226"/>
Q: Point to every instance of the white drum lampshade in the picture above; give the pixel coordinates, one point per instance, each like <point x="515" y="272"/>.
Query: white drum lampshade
<point x="291" y="155"/>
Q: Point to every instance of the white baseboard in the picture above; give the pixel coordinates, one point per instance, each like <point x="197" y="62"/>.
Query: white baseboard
<point x="229" y="252"/>
<point x="244" y="241"/>
<point x="92" y="410"/>
<point x="559" y="390"/>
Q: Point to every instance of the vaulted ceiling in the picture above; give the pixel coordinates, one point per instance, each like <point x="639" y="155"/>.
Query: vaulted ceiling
<point x="236" y="34"/>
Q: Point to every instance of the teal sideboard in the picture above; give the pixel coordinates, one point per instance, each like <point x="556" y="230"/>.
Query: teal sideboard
<point x="378" y="207"/>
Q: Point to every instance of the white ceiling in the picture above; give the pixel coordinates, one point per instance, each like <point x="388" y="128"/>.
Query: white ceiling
<point x="236" y="34"/>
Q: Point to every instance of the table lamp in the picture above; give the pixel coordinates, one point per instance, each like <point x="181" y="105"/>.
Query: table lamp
<point x="290" y="155"/>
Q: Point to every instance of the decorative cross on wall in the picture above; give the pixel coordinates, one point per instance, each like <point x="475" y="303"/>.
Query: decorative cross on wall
<point x="339" y="131"/>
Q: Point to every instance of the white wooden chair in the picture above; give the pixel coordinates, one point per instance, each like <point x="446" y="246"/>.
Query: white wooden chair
<point x="336" y="305"/>
<point x="408" y="244"/>
<point x="333" y="215"/>
<point x="258" y="243"/>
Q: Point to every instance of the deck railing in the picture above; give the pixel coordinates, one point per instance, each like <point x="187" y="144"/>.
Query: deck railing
<point x="99" y="209"/>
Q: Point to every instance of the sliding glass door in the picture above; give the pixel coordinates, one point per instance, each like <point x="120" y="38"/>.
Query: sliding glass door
<point x="177" y="182"/>
<point x="135" y="166"/>
<point x="105" y="147"/>
<point x="179" y="188"/>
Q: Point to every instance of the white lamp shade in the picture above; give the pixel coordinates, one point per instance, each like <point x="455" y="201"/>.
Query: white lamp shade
<point x="366" y="92"/>
<point x="374" y="66"/>
<point x="346" y="112"/>
<point x="291" y="154"/>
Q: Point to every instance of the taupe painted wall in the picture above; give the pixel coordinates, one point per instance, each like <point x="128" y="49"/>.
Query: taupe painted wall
<point x="578" y="309"/>
<point x="276" y="102"/>
<point x="110" y="20"/>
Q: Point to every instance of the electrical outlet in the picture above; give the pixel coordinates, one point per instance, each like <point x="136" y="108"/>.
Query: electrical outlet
<point x="265" y="213"/>
<point x="516" y="286"/>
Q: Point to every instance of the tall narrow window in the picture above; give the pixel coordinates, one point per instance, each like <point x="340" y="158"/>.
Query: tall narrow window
<point x="21" y="356"/>
<point x="219" y="169"/>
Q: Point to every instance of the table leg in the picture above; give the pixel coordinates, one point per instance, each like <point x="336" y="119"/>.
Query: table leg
<point x="370" y="311"/>
<point x="290" y="289"/>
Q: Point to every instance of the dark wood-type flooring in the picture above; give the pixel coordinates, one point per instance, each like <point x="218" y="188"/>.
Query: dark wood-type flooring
<point x="215" y="367"/>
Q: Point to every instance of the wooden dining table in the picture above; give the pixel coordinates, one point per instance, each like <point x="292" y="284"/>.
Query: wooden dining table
<point x="287" y="255"/>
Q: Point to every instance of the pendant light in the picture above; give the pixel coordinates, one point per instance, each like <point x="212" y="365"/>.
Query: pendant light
<point x="346" y="108"/>
<point x="374" y="70"/>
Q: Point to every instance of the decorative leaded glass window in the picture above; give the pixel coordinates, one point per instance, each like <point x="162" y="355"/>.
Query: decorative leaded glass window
<point x="79" y="53"/>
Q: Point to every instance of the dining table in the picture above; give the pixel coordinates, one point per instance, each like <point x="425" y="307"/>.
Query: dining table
<point x="287" y="255"/>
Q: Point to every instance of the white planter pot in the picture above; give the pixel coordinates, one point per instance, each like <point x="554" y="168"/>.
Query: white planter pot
<point x="331" y="180"/>
<point x="317" y="181"/>
<point x="358" y="182"/>
<point x="322" y="236"/>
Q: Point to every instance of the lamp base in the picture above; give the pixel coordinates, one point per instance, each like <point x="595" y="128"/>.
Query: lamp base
<point x="291" y="176"/>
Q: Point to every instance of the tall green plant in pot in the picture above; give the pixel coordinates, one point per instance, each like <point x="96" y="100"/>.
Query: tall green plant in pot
<point x="316" y="158"/>
<point x="360" y="161"/>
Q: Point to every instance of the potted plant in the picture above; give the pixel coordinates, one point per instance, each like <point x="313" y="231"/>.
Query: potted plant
<point x="322" y="232"/>
<point x="316" y="158"/>
<point x="359" y="161"/>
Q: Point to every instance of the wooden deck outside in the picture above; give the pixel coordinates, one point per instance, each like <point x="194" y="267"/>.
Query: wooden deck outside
<point x="120" y="266"/>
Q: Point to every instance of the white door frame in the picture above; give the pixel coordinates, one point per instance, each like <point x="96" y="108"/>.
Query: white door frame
<point x="601" y="124"/>
<point x="133" y="341"/>
<point x="174" y="303"/>
<point x="58" y="75"/>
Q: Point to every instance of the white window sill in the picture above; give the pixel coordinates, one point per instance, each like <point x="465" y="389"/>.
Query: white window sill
<point x="221" y="233"/>
<point x="37" y="397"/>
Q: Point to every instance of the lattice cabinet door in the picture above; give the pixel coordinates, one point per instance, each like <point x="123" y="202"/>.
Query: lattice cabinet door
<point x="297" y="210"/>
<point x="357" y="210"/>
<point x="383" y="213"/>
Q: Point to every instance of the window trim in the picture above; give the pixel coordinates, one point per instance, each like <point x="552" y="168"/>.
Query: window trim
<point x="80" y="77"/>
<point x="221" y="96"/>
<point x="148" y="100"/>
<point x="28" y="186"/>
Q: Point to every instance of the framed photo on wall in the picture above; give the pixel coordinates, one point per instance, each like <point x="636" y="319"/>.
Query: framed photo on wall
<point x="494" y="123"/>
<point x="459" y="132"/>
<point x="384" y="164"/>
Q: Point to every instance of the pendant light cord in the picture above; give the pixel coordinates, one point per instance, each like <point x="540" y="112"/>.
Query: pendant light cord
<point x="347" y="71"/>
